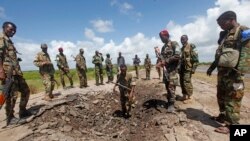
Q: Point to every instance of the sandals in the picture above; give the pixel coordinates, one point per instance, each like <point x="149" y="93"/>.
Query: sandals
<point x="223" y="130"/>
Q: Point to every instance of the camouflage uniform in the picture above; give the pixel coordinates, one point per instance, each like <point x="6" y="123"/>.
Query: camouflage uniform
<point x="97" y="60"/>
<point x="8" y="53"/>
<point x="158" y="67"/>
<point x="127" y="81"/>
<point x="81" y="69"/>
<point x="136" y="62"/>
<point x="109" y="69"/>
<point x="147" y="65"/>
<point x="46" y="71"/>
<point x="189" y="62"/>
<point x="229" y="96"/>
<point x="170" y="54"/>
<point x="63" y="68"/>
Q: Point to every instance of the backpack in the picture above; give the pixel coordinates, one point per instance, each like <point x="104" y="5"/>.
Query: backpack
<point x="244" y="57"/>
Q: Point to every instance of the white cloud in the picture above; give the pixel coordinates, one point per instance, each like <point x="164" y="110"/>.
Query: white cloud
<point x="91" y="35"/>
<point x="2" y="12"/>
<point x="103" y="25"/>
<point x="204" y="31"/>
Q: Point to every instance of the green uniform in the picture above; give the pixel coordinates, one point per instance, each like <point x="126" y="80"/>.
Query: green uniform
<point x="63" y="69"/>
<point x="170" y="54"/>
<point x="136" y="63"/>
<point x="189" y="62"/>
<point x="46" y="71"/>
<point x="81" y="69"/>
<point x="127" y="81"/>
<point x="147" y="65"/>
<point x="8" y="53"/>
<point x="230" y="84"/>
<point x="109" y="69"/>
<point x="97" y="60"/>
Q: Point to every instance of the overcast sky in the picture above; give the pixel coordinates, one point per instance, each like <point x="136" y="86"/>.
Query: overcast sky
<point x="110" y="26"/>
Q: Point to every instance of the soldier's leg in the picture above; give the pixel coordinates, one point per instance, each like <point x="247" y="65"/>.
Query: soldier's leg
<point x="80" y="73"/>
<point x="62" y="78"/>
<point x="221" y="94"/>
<point x="70" y="78"/>
<point x="48" y="86"/>
<point x="188" y="84"/>
<point x="85" y="82"/>
<point x="97" y="75"/>
<point x="25" y="94"/>
<point x="101" y="75"/>
<point x="123" y="101"/>
<point x="149" y="73"/>
<point x="171" y="96"/>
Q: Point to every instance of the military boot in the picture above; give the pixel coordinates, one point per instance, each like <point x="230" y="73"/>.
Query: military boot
<point x="171" y="107"/>
<point x="24" y="113"/>
<point x="12" y="120"/>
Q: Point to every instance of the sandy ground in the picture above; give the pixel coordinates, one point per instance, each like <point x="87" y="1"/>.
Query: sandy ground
<point x="149" y="120"/>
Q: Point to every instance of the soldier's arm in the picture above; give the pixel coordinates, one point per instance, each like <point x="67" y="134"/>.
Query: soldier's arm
<point x="194" y="57"/>
<point x="38" y="62"/>
<point x="2" y="46"/>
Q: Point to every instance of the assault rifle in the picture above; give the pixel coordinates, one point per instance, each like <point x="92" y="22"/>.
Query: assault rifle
<point x="157" y="53"/>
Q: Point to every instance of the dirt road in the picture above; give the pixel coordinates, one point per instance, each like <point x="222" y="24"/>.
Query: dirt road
<point x="93" y="114"/>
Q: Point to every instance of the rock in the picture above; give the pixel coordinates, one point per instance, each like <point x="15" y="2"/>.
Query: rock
<point x="73" y="112"/>
<point x="62" y="109"/>
<point x="95" y="101"/>
<point x="170" y="137"/>
<point x="86" y="106"/>
<point x="44" y="126"/>
<point x="67" y="128"/>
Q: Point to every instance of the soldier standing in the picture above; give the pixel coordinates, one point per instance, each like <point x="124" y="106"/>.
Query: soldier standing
<point x="120" y="61"/>
<point x="109" y="68"/>
<point x="188" y="65"/>
<point x="9" y="67"/>
<point x="126" y="85"/>
<point x="230" y="84"/>
<point x="170" y="56"/>
<point x="136" y="62"/>
<point x="97" y="60"/>
<point x="147" y="65"/>
<point x="81" y="68"/>
<point x="63" y="67"/>
<point x="46" y="70"/>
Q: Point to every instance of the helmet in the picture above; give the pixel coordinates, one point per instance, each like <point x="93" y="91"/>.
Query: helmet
<point x="60" y="49"/>
<point x="44" y="46"/>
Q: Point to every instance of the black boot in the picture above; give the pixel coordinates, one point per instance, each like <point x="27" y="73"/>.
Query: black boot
<point x="24" y="113"/>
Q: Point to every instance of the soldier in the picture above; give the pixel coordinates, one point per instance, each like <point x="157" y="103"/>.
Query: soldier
<point x="81" y="68"/>
<point x="147" y="65"/>
<point x="97" y="60"/>
<point x="158" y="68"/>
<point x="9" y="65"/>
<point x="109" y="68"/>
<point x="170" y="56"/>
<point x="136" y="62"/>
<point x="63" y="67"/>
<point x="120" y="61"/>
<point x="126" y="85"/>
<point x="188" y="65"/>
<point x="230" y="84"/>
<point x="46" y="70"/>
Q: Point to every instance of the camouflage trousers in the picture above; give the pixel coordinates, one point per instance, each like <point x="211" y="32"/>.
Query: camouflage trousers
<point x="49" y="83"/>
<point x="148" y="73"/>
<point x="110" y="74"/>
<point x="82" y="77"/>
<point x="158" y="69"/>
<point x="170" y="85"/>
<point x="98" y="74"/>
<point x="229" y="99"/>
<point x="68" y="75"/>
<point x="19" y="85"/>
<point x="137" y="71"/>
<point x="186" y="83"/>
<point x="126" y="103"/>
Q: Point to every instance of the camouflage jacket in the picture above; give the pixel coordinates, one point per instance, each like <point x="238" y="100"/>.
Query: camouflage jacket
<point x="126" y="80"/>
<point x="80" y="62"/>
<point x="48" y="68"/>
<point x="108" y="63"/>
<point x="97" y="60"/>
<point x="136" y="61"/>
<point x="189" y="57"/>
<point x="147" y="63"/>
<point x="8" y="54"/>
<point x="61" y="61"/>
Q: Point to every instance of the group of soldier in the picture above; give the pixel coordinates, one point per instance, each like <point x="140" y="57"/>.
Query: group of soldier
<point x="178" y="64"/>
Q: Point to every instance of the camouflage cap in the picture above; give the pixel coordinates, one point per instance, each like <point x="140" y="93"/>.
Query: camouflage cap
<point x="44" y="46"/>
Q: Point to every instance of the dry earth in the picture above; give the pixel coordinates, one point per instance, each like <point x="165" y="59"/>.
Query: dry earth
<point x="93" y="114"/>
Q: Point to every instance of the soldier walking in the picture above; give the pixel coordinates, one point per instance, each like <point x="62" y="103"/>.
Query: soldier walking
<point x="9" y="67"/>
<point x="126" y="85"/>
<point x="97" y="60"/>
<point x="136" y="62"/>
<point x="188" y="65"/>
<point x="46" y="70"/>
<point x="63" y="67"/>
<point x="147" y="65"/>
<point x="170" y="56"/>
<point x="81" y="68"/>
<point x="109" y="68"/>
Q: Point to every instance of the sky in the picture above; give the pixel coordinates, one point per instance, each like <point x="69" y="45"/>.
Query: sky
<point x="112" y="26"/>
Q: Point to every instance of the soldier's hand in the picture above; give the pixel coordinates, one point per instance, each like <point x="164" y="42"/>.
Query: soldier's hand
<point x="2" y="75"/>
<point x="209" y="71"/>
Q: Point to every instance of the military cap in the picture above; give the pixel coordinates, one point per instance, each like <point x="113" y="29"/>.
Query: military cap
<point x="227" y="15"/>
<point x="43" y="46"/>
<point x="164" y="33"/>
<point x="81" y="50"/>
<point x="60" y="49"/>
